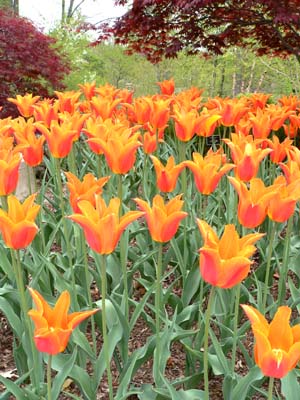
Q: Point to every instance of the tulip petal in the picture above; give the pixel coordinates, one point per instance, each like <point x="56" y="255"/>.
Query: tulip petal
<point x="280" y="332"/>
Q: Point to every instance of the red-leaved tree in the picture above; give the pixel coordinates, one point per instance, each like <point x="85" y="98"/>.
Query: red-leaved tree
<point x="28" y="61"/>
<point x="160" y="28"/>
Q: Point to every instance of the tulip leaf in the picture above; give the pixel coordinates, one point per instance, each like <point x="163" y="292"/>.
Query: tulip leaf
<point x="61" y="376"/>
<point x="6" y="265"/>
<point x="13" y="387"/>
<point x="13" y="319"/>
<point x="191" y="285"/>
<point x="290" y="386"/>
<point x="241" y="389"/>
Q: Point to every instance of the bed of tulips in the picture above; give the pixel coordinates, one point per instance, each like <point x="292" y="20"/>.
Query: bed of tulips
<point x="195" y="200"/>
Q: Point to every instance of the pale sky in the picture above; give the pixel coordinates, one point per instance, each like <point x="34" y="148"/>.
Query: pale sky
<point x="44" y="13"/>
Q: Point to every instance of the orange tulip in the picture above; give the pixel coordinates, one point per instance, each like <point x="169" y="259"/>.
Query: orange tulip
<point x="17" y="224"/>
<point x="282" y="204"/>
<point x="261" y="124"/>
<point x="119" y="149"/>
<point x="59" y="137"/>
<point x="24" y="104"/>
<point x="45" y="111"/>
<point x="67" y="101"/>
<point x="104" y="107"/>
<point x="31" y="145"/>
<point x="208" y="170"/>
<point x="279" y="149"/>
<point x="225" y="262"/>
<point x="85" y="189"/>
<point x="149" y="141"/>
<point x="277" y="344"/>
<point x="163" y="219"/>
<point x="10" y="159"/>
<point x="231" y="110"/>
<point x="253" y="201"/>
<point x="167" y="87"/>
<point x="246" y="154"/>
<point x="88" y="89"/>
<point x="166" y="176"/>
<point x="207" y="122"/>
<point x="53" y="326"/>
<point x="101" y="224"/>
<point x="186" y="123"/>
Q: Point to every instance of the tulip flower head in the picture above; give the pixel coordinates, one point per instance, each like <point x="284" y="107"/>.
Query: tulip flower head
<point x="17" y="223"/>
<point x="166" y="176"/>
<point x="24" y="103"/>
<point x="163" y="219"/>
<point x="208" y="170"/>
<point x="225" y="262"/>
<point x="102" y="224"/>
<point x="277" y="344"/>
<point x="85" y="189"/>
<point x="53" y="326"/>
<point x="253" y="200"/>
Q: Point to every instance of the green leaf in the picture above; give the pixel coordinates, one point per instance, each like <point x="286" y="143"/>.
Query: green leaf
<point x="12" y="317"/>
<point x="63" y="373"/>
<point x="241" y="389"/>
<point x="290" y="387"/>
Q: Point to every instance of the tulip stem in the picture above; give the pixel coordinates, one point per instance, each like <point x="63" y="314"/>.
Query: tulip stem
<point x="65" y="228"/>
<point x="24" y="307"/>
<point x="235" y="325"/>
<point x="182" y="157"/>
<point x="49" y="383"/>
<point x="157" y="314"/>
<point x="269" y="257"/>
<point x="284" y="267"/>
<point x="270" y="390"/>
<point x="104" y="324"/>
<point x="123" y="264"/>
<point x="206" y="332"/>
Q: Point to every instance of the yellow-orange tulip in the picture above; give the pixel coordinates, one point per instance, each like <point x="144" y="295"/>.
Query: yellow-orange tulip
<point x="277" y="344"/>
<point x="163" y="218"/>
<point x="225" y="262"/>
<point x="253" y="201"/>
<point x="166" y="176"/>
<point x="85" y="189"/>
<point x="282" y="204"/>
<point x="102" y="224"/>
<point x="68" y="101"/>
<point x="167" y="87"/>
<point x="247" y="155"/>
<point x="119" y="149"/>
<point x="10" y="159"/>
<point x="24" y="104"/>
<point x="17" y="223"/>
<point x="53" y="326"/>
<point x="208" y="170"/>
<point x="31" y="145"/>
<point x="59" y="137"/>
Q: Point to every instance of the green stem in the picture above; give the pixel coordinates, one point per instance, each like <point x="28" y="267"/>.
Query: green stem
<point x="104" y="324"/>
<point x="36" y="378"/>
<point x="206" y="332"/>
<point x="157" y="313"/>
<point x="182" y="157"/>
<point x="270" y="390"/>
<point x="235" y="325"/>
<point x="71" y="161"/>
<point x="268" y="267"/>
<point x="284" y="267"/>
<point x="88" y="288"/>
<point x="65" y="229"/>
<point x="49" y="383"/>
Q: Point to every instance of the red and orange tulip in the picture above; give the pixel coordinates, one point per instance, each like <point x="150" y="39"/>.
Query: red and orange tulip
<point x="101" y="224"/>
<point x="25" y="104"/>
<point x="282" y="204"/>
<point x="166" y="176"/>
<point x="119" y="149"/>
<point x="167" y="87"/>
<point x="59" y="137"/>
<point x="253" y="201"/>
<point x="208" y="170"/>
<point x="17" y="223"/>
<point x="225" y="262"/>
<point x="163" y="219"/>
<point x="53" y="326"/>
<point x="85" y="189"/>
<point x="247" y="155"/>
<point x="277" y="344"/>
<point x="10" y="159"/>
<point x="31" y="145"/>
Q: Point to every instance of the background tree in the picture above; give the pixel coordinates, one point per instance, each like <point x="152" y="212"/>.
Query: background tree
<point x="160" y="28"/>
<point x="29" y="61"/>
